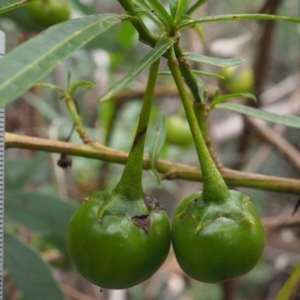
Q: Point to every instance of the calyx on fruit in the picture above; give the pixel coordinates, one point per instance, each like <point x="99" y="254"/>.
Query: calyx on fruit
<point x="216" y="233"/>
<point x="217" y="242"/>
<point x="120" y="237"/>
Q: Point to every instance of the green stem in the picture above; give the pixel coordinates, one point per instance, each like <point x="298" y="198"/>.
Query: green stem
<point x="145" y="36"/>
<point x="131" y="180"/>
<point x="199" y="108"/>
<point x="70" y="102"/>
<point x="187" y="74"/>
<point x="200" y="112"/>
<point x="127" y="5"/>
<point x="214" y="186"/>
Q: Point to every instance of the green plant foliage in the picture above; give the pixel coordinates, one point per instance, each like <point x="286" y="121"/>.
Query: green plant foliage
<point x="10" y="4"/>
<point x="29" y="272"/>
<point x="162" y="46"/>
<point x="178" y="8"/>
<point x="41" y="213"/>
<point x="160" y="12"/>
<point x="58" y="43"/>
<point x="18" y="172"/>
<point x="223" y="98"/>
<point x="219" y="62"/>
<point x="291" y="121"/>
<point x="238" y="17"/>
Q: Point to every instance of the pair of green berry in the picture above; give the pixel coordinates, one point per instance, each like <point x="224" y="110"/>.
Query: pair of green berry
<point x="212" y="242"/>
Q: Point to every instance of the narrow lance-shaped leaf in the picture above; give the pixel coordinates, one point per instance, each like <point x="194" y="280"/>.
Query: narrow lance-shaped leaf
<point x="40" y="213"/>
<point x="239" y="17"/>
<point x="158" y="137"/>
<point x="158" y="10"/>
<point x="223" y="98"/>
<point x="18" y="172"/>
<point x="42" y="106"/>
<point x="25" y="65"/>
<point x="219" y="62"/>
<point x="197" y="72"/>
<point x="178" y="7"/>
<point x="85" y="85"/>
<point x="6" y="5"/>
<point x="291" y="121"/>
<point x="195" y="6"/>
<point x="208" y="74"/>
<point x="29" y="272"/>
<point x="161" y="47"/>
<point x="202" y="93"/>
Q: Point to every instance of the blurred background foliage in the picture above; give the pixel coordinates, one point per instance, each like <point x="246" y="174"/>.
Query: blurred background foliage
<point x="41" y="197"/>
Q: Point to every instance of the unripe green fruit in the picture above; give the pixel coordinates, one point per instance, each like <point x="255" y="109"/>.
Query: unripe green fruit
<point x="114" y="250"/>
<point x="49" y="12"/>
<point x="217" y="242"/>
<point x="178" y="131"/>
<point x="237" y="82"/>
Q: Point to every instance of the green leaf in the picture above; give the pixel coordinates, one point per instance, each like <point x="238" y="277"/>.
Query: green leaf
<point x="291" y="121"/>
<point x="219" y="62"/>
<point x="29" y="271"/>
<point x="208" y="74"/>
<point x="158" y="10"/>
<point x="201" y="90"/>
<point x="238" y="17"/>
<point x="6" y="5"/>
<point x="85" y="85"/>
<point x="197" y="72"/>
<point x="291" y="288"/>
<point x="42" y="106"/>
<point x="26" y="64"/>
<point x="195" y="6"/>
<point x="161" y="47"/>
<point x="157" y="140"/>
<point x="156" y="176"/>
<point x="41" y="213"/>
<point x="223" y="98"/>
<point x="177" y="8"/>
<point x="18" y="171"/>
<point x="50" y="86"/>
<point x="142" y="8"/>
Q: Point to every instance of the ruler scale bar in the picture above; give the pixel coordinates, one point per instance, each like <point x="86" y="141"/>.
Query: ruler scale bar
<point x="2" y="149"/>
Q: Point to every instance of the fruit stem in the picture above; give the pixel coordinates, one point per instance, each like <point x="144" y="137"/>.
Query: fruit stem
<point x="130" y="183"/>
<point x="214" y="186"/>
